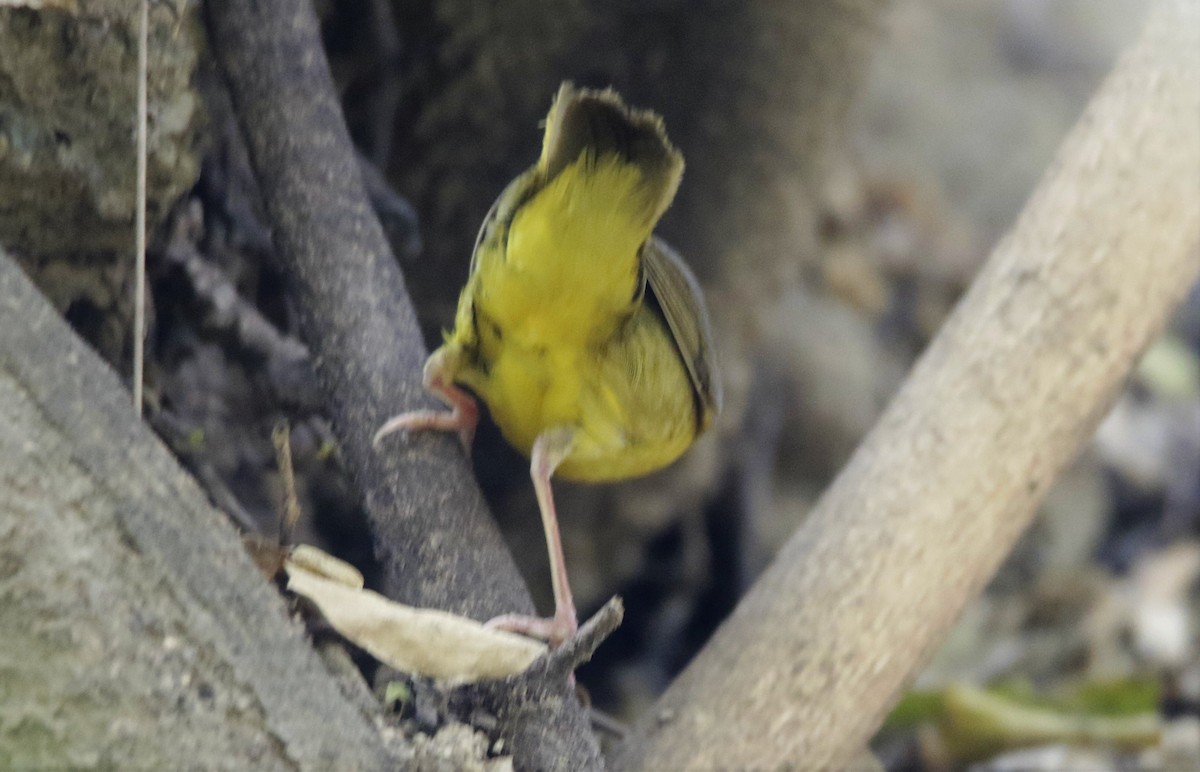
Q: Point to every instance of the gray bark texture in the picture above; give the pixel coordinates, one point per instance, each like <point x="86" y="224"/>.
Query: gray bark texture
<point x="135" y="632"/>
<point x="67" y="106"/>
<point x="804" y="670"/>
<point x="437" y="543"/>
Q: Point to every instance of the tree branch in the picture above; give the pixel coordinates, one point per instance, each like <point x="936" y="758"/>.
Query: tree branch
<point x="436" y="541"/>
<point x="934" y="499"/>
<point x="134" y="629"/>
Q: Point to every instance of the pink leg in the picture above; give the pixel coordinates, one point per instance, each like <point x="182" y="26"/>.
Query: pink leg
<point x="462" y="417"/>
<point x="549" y="450"/>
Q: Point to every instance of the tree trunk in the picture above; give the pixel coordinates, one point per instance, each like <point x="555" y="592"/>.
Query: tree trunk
<point x="135" y="632"/>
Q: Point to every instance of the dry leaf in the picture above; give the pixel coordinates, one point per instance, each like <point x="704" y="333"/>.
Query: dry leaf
<point x="325" y="565"/>
<point x="425" y="642"/>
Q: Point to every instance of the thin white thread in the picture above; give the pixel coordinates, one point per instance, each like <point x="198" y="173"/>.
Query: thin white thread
<point x="139" y="296"/>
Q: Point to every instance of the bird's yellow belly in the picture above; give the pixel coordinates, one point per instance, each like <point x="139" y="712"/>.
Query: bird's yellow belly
<point x="629" y="402"/>
<point x="633" y="461"/>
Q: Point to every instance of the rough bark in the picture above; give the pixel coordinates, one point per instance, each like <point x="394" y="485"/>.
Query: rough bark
<point x="67" y="86"/>
<point x="135" y="632"/>
<point x="67" y="106"/>
<point x="933" y="500"/>
<point x="437" y="544"/>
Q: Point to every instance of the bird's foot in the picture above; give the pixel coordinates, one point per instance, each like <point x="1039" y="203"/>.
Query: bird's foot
<point x="462" y="417"/>
<point x="553" y="630"/>
<point x="459" y="420"/>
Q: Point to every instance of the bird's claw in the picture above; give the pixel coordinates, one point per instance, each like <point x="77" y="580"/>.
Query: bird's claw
<point x="553" y="630"/>
<point x="456" y="420"/>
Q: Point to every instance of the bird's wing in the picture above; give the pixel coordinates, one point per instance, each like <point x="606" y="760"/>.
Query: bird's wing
<point x="678" y="294"/>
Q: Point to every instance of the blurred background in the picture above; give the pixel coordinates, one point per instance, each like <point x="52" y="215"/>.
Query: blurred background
<point x="849" y="168"/>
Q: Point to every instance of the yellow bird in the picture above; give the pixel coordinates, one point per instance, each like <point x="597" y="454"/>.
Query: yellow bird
<point x="585" y="335"/>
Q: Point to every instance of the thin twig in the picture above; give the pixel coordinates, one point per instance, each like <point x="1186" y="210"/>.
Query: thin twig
<point x="603" y="722"/>
<point x="281" y="436"/>
<point x="550" y="675"/>
<point x="579" y="648"/>
<point x="139" y="289"/>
